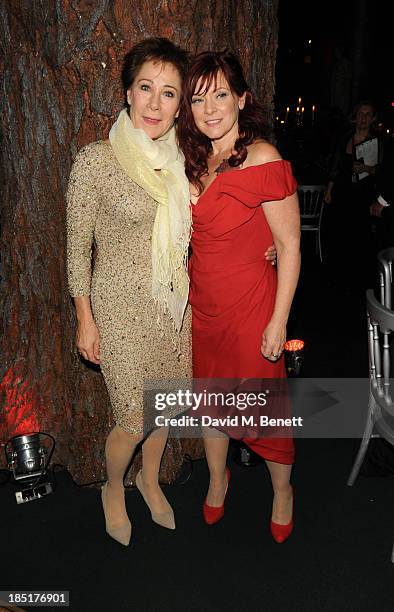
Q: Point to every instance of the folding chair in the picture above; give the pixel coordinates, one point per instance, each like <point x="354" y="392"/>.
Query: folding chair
<point x="385" y="268"/>
<point x="380" y="419"/>
<point x="311" y="199"/>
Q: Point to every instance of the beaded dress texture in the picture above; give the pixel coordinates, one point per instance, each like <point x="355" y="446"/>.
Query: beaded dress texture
<point x="107" y="208"/>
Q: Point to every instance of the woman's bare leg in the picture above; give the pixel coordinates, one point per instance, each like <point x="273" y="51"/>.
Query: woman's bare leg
<point x="216" y="449"/>
<point x="282" y="502"/>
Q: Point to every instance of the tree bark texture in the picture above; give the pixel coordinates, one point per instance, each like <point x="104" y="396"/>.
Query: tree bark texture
<point x="61" y="64"/>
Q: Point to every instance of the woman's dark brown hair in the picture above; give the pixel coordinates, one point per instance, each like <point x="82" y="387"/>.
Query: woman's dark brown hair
<point x="252" y="120"/>
<point x="152" y="49"/>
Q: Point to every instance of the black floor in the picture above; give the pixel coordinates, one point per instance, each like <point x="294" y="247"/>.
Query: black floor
<point x="338" y="557"/>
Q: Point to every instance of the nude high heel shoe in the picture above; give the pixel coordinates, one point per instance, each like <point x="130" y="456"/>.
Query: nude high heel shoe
<point x="164" y="519"/>
<point x="122" y="533"/>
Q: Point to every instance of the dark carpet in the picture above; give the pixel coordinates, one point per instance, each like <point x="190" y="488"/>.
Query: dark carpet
<point x="338" y="557"/>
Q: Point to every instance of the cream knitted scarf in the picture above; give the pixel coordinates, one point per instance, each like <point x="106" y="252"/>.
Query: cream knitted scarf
<point x="139" y="157"/>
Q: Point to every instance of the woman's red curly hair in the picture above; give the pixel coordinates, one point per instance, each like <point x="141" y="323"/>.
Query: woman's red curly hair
<point x="252" y="119"/>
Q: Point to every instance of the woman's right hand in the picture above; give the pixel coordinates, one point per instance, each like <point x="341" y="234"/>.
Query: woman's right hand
<point x="88" y="341"/>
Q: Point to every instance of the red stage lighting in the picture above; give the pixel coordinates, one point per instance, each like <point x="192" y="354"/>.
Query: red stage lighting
<point x="293" y="357"/>
<point x="294" y="345"/>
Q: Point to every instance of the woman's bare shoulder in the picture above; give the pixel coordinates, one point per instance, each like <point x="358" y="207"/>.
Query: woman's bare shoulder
<point x="261" y="152"/>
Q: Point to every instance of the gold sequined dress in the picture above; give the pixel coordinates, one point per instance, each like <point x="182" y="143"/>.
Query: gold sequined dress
<point x="107" y="208"/>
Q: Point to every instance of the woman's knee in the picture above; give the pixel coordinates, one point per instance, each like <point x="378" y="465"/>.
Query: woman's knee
<point x="126" y="437"/>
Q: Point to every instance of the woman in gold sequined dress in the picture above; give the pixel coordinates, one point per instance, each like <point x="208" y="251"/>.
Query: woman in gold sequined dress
<point x="121" y="196"/>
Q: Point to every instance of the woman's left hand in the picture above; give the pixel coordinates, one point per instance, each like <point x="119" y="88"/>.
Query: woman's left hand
<point x="270" y="254"/>
<point x="273" y="340"/>
<point x="358" y="167"/>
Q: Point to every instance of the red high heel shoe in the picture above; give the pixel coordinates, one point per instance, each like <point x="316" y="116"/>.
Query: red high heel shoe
<point x="280" y="533"/>
<point x="213" y="514"/>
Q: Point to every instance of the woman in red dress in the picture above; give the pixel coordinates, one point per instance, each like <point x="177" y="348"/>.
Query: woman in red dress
<point x="243" y="197"/>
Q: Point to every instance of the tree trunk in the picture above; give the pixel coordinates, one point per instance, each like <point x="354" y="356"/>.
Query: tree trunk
<point x="61" y="64"/>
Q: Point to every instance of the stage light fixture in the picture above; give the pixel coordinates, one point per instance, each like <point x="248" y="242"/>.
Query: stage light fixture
<point x="28" y="461"/>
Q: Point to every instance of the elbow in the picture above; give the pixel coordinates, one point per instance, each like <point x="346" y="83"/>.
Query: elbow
<point x="289" y="245"/>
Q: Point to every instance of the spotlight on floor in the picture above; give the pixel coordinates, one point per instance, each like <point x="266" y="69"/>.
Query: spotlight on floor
<point x="293" y="357"/>
<point x="28" y="460"/>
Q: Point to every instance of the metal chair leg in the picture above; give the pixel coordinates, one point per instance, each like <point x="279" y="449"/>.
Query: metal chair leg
<point x="364" y="444"/>
<point x="320" y="251"/>
<point x="319" y="232"/>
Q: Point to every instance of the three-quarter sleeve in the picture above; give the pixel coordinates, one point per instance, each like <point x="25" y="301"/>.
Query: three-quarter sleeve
<point x="82" y="208"/>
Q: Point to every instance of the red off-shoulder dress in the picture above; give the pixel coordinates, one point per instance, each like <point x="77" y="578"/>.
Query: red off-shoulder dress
<point x="232" y="286"/>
